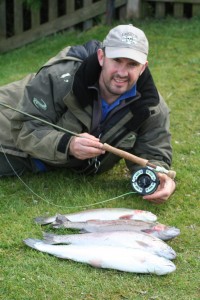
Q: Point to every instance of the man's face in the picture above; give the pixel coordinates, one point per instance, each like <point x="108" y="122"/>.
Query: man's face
<point x="118" y="75"/>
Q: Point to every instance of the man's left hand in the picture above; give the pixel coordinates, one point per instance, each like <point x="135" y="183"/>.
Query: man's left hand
<point x="164" y="191"/>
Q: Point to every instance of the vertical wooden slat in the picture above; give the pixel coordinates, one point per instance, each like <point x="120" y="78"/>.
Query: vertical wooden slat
<point x="195" y="10"/>
<point x="160" y="10"/>
<point x="133" y="9"/>
<point x="3" y="19"/>
<point x="87" y="24"/>
<point x="35" y="18"/>
<point x="53" y="9"/>
<point x="110" y="10"/>
<point x="69" y="7"/>
<point x="178" y="10"/>
<point x="122" y="13"/>
<point x="18" y="17"/>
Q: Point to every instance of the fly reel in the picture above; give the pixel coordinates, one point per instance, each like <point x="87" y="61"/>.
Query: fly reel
<point x="145" y="181"/>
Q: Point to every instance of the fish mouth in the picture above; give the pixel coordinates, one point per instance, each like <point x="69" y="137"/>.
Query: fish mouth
<point x="170" y="233"/>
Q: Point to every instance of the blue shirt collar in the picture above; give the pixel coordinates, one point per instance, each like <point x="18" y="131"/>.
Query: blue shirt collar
<point x="106" y="108"/>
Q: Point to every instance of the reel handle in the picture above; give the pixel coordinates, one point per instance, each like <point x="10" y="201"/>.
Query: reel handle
<point x="171" y="174"/>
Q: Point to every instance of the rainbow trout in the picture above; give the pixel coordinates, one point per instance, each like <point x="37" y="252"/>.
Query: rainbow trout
<point x="156" y="229"/>
<point x="102" y="214"/>
<point x="108" y="257"/>
<point x="127" y="239"/>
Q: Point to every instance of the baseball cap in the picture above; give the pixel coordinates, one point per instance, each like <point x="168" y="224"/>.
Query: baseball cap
<point x="127" y="41"/>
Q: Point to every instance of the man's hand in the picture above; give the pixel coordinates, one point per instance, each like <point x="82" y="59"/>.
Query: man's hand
<point x="164" y="191"/>
<point x="86" y="146"/>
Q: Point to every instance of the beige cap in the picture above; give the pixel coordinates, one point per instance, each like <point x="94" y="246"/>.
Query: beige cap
<point x="127" y="41"/>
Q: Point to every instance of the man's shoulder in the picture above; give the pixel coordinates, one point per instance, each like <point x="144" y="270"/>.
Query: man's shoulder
<point x="75" y="53"/>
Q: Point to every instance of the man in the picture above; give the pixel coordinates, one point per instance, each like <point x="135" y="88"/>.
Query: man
<point x="102" y="92"/>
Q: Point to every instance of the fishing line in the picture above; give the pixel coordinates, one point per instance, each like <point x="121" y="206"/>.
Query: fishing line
<point x="51" y="203"/>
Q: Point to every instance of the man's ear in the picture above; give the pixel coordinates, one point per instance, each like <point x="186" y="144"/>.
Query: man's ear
<point x="144" y="67"/>
<point x="100" y="56"/>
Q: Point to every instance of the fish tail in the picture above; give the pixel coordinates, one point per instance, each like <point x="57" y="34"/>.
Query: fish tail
<point x="59" y="221"/>
<point x="32" y="242"/>
<point x="61" y="218"/>
<point x="40" y="220"/>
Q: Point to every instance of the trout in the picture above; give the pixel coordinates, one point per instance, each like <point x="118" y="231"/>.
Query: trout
<point x="108" y="257"/>
<point x="102" y="214"/>
<point x="127" y="239"/>
<point x="156" y="229"/>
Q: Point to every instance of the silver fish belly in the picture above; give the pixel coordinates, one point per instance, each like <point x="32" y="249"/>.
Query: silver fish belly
<point x="108" y="257"/>
<point x="102" y="214"/>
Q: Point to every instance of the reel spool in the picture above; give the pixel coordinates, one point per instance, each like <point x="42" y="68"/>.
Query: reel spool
<point x="145" y="181"/>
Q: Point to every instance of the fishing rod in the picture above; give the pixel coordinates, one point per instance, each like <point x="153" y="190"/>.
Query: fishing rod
<point x="121" y="153"/>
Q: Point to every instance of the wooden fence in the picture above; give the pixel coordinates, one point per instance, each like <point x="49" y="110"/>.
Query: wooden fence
<point x="175" y="8"/>
<point x="20" y="25"/>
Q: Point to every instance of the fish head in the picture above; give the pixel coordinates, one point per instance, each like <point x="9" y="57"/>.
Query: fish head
<point x="163" y="232"/>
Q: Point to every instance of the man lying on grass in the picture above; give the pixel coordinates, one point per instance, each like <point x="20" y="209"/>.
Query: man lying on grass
<point x="105" y="93"/>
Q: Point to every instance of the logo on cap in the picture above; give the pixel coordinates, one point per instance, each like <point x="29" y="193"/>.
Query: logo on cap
<point x="129" y="38"/>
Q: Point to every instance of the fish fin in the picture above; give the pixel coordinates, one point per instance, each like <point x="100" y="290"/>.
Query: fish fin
<point x="56" y="225"/>
<point x="61" y="219"/>
<point x="49" y="238"/>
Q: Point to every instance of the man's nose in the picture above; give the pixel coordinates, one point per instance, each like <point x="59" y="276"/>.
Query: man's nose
<point x="123" y="70"/>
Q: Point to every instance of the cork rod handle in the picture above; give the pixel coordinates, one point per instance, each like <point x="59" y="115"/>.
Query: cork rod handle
<point x="137" y="160"/>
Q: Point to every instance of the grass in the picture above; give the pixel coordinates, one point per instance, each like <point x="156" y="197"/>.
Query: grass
<point x="174" y="61"/>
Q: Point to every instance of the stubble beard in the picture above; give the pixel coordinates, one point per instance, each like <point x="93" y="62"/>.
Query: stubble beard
<point x="113" y="89"/>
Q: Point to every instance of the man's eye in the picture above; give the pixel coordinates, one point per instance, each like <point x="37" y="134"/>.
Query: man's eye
<point x="133" y="64"/>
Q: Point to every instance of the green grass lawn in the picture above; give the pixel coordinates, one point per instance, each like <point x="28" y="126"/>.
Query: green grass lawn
<point x="26" y="274"/>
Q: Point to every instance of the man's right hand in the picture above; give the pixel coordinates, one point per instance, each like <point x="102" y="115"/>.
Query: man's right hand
<point x="85" y="146"/>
